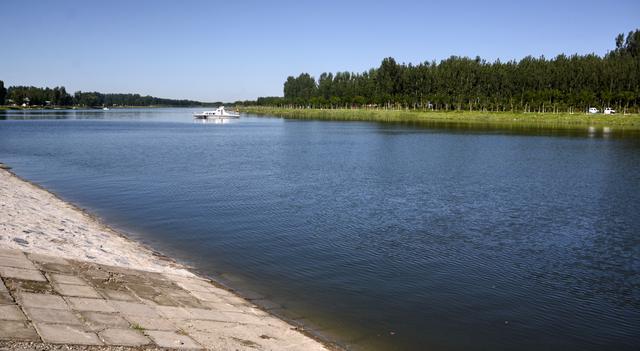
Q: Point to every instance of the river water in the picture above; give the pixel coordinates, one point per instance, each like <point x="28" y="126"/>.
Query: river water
<point x="377" y="236"/>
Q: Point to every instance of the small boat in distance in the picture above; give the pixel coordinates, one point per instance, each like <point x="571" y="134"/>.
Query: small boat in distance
<point x="219" y="113"/>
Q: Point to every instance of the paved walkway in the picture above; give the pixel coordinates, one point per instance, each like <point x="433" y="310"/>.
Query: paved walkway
<point x="50" y="300"/>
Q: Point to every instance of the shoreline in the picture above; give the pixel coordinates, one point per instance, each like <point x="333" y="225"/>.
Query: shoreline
<point x="158" y="257"/>
<point x="137" y="255"/>
<point x="496" y="120"/>
<point x="89" y="108"/>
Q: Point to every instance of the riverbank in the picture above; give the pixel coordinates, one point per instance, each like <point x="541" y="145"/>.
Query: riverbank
<point x="67" y="278"/>
<point x="560" y="121"/>
<point x="36" y="108"/>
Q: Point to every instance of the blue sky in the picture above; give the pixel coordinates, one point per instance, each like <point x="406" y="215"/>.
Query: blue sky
<point x="215" y="50"/>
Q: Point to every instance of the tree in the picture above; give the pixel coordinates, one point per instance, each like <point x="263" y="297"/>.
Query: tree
<point x="300" y="90"/>
<point x="569" y="83"/>
<point x="388" y="78"/>
<point x="3" y="93"/>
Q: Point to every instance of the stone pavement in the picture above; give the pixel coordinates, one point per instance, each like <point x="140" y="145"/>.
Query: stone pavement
<point x="50" y="300"/>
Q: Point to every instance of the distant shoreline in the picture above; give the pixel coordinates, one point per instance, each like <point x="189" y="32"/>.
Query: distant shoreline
<point x="499" y="120"/>
<point x="20" y="108"/>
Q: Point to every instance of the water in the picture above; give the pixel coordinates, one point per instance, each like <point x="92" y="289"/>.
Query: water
<point x="382" y="237"/>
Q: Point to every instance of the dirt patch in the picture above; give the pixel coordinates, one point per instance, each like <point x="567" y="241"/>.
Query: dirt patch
<point x="29" y="286"/>
<point x="247" y="343"/>
<point x="56" y="268"/>
<point x="34" y="346"/>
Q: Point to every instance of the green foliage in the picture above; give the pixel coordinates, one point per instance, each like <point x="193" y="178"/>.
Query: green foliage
<point x="491" y="120"/>
<point x="564" y="83"/>
<point x="58" y="96"/>
<point x="300" y="89"/>
<point x="3" y="93"/>
<point x="98" y="99"/>
<point x="137" y="326"/>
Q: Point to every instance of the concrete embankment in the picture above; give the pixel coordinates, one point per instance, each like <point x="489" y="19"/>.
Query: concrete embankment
<point x="67" y="279"/>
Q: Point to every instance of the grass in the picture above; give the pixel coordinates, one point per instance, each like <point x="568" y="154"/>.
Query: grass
<point x="137" y="326"/>
<point x="498" y="120"/>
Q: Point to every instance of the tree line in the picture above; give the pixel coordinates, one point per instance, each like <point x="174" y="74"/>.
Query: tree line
<point x="563" y="83"/>
<point x="58" y="96"/>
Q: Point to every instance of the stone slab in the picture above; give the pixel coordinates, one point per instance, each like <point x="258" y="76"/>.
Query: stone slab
<point x="43" y="301"/>
<point x="76" y="290"/>
<point x="182" y="277"/>
<point x="223" y="306"/>
<point x="226" y="316"/>
<point x="11" y="313"/>
<point x="16" y="330"/>
<point x="3" y="288"/>
<point x="66" y="334"/>
<point x="22" y="274"/>
<point x="86" y="304"/>
<point x="135" y="309"/>
<point x="100" y="321"/>
<point x="29" y="286"/>
<point x="66" y="279"/>
<point x="245" y="308"/>
<point x="46" y="315"/>
<point x="174" y="312"/>
<point x="214" y="341"/>
<point x="152" y="323"/>
<point x="123" y="337"/>
<point x="196" y="285"/>
<point x="6" y="299"/>
<point x="165" y="300"/>
<point x="117" y="295"/>
<point x="208" y="297"/>
<point x="47" y="259"/>
<point x="235" y="300"/>
<point x="190" y="302"/>
<point x="175" y="291"/>
<point x="11" y="253"/>
<point x="172" y="339"/>
<point x="222" y="292"/>
<point x="143" y="291"/>
<point x="57" y="268"/>
<point x="199" y="313"/>
<point x="17" y="262"/>
<point x="246" y="318"/>
<point x="160" y="281"/>
<point x="235" y="336"/>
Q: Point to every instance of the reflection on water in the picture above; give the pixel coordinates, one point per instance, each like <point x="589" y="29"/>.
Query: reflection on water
<point x="517" y="129"/>
<point x="214" y="121"/>
<point x="382" y="236"/>
<point x="75" y="114"/>
<point x="181" y="114"/>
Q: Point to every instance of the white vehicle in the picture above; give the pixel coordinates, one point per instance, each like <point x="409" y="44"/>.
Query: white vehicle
<point x="218" y="113"/>
<point x="609" y="111"/>
<point x="593" y="110"/>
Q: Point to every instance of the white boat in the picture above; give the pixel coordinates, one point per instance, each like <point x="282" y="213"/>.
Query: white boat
<point x="219" y="113"/>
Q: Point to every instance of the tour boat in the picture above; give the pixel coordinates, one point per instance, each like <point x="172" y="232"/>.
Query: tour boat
<point x="218" y="113"/>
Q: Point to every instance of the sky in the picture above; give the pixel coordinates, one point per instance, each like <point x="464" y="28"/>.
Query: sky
<point x="237" y="50"/>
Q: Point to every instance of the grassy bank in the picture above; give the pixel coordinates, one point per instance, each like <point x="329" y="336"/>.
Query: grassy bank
<point x="566" y="121"/>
